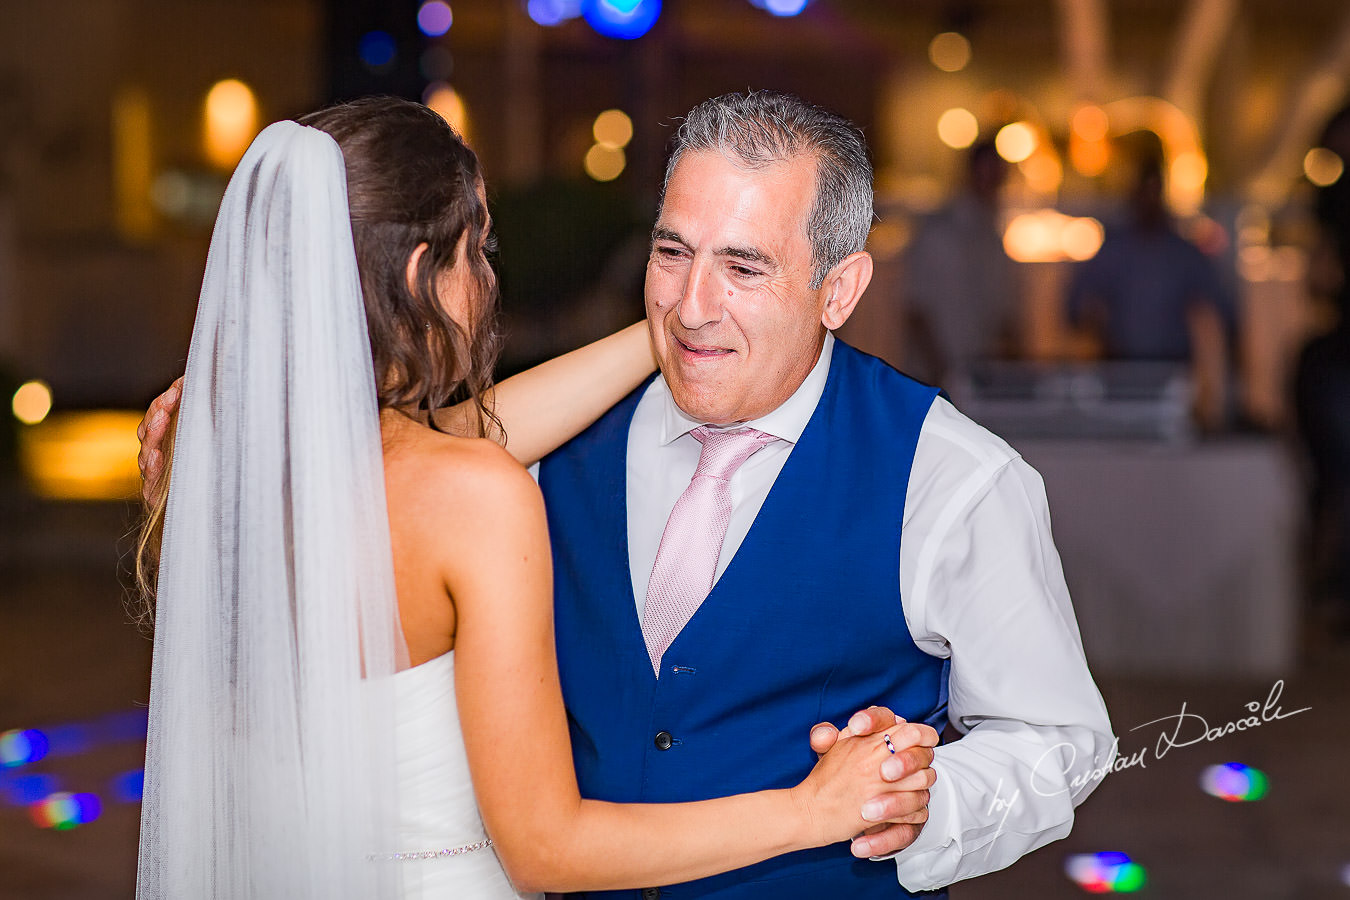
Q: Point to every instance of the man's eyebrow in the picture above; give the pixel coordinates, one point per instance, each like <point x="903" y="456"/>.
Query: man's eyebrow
<point x="749" y="254"/>
<point x="661" y="233"/>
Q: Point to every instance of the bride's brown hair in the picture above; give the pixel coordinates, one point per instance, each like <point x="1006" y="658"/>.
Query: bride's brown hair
<point x="410" y="180"/>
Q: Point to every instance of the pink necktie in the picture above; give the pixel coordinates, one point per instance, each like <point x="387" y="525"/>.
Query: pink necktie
<point x="687" y="558"/>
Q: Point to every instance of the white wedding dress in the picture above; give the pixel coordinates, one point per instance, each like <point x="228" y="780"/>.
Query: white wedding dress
<point x="437" y="808"/>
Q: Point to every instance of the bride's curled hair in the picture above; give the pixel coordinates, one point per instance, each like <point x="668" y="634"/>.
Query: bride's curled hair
<point x="411" y="179"/>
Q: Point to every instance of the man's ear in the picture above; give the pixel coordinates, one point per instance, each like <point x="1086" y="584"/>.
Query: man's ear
<point x="844" y="287"/>
<point x="413" y="259"/>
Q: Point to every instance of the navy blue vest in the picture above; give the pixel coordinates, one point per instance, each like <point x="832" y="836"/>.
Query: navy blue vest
<point x="805" y="625"/>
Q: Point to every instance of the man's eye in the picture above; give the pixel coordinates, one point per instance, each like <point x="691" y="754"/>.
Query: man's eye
<point x="744" y="271"/>
<point x="670" y="252"/>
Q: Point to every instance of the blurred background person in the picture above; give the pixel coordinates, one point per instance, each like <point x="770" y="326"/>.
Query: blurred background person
<point x="1322" y="404"/>
<point x="1150" y="294"/>
<point x="959" y="287"/>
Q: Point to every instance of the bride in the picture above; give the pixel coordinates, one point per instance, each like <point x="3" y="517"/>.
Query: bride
<point x="348" y="704"/>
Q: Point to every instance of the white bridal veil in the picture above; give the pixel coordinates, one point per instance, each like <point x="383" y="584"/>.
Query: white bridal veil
<point x="269" y="765"/>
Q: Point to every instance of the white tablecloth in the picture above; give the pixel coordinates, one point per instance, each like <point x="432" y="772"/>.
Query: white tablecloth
<point x="1180" y="559"/>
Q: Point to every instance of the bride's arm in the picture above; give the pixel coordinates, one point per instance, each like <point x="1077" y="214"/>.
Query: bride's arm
<point x="548" y="405"/>
<point x="496" y="566"/>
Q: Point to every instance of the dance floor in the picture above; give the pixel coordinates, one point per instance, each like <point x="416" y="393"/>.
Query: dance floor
<point x="72" y="668"/>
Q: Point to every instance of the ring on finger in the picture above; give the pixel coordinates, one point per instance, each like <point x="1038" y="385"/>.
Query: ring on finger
<point x="889" y="745"/>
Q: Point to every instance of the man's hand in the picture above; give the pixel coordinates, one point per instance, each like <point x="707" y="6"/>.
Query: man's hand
<point x="900" y="813"/>
<point x="152" y="431"/>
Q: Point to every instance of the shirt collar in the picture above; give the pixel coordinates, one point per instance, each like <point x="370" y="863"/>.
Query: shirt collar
<point x="787" y="422"/>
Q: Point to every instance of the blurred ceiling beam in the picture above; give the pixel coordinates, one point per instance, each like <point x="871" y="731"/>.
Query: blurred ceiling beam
<point x="1083" y="30"/>
<point x="524" y="115"/>
<point x="1312" y="102"/>
<point x="1203" y="32"/>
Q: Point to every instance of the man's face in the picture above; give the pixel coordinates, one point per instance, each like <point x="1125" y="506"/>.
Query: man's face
<point x="734" y="320"/>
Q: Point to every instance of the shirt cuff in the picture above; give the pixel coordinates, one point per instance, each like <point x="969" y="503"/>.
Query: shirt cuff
<point x="917" y="865"/>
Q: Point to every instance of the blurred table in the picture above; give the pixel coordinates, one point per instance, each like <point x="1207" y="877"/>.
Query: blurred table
<point x="1180" y="558"/>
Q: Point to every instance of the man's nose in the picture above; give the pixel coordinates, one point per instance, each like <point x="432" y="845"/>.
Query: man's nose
<point x="701" y="303"/>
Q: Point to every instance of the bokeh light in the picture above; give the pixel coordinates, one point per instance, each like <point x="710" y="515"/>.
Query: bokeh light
<point x="1048" y="235"/>
<point x="20" y="747"/>
<point x="1042" y="171"/>
<point x="1111" y="872"/>
<point x="1322" y="166"/>
<point x="1089" y="158"/>
<point x="1090" y="123"/>
<point x="623" y="19"/>
<point x="30" y="404"/>
<point x="129" y="786"/>
<point x="82" y="455"/>
<point x="1082" y="238"/>
<point x="434" y="18"/>
<point x="26" y="789"/>
<point x="1234" y="782"/>
<point x="377" y="50"/>
<point x="63" y="811"/>
<point x="958" y="128"/>
<point x="553" y="12"/>
<point x="132" y="162"/>
<point x="604" y="163"/>
<point x="449" y="105"/>
<point x="1089" y="149"/>
<point x="436" y="63"/>
<point x="785" y="7"/>
<point x="1188" y="172"/>
<point x="1015" y="142"/>
<point x="949" y="51"/>
<point x="613" y="129"/>
<point x="231" y="122"/>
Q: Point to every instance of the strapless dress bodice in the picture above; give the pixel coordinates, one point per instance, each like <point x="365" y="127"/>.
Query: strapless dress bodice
<point x="437" y="807"/>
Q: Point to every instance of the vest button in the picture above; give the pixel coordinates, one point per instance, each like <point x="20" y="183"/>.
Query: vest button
<point x="651" y="893"/>
<point x="662" y="741"/>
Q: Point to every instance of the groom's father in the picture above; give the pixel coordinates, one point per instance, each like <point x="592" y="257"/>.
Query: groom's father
<point x="780" y="530"/>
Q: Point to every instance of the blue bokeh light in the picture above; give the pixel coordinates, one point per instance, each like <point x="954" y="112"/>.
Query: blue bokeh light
<point x="22" y="790"/>
<point x="785" y="7"/>
<point x="18" y="748"/>
<point x="129" y="786"/>
<point x="623" y="19"/>
<point x="377" y="49"/>
<point x="553" y="12"/>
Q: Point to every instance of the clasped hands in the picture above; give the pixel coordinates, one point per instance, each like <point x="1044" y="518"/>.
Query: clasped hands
<point x="899" y="814"/>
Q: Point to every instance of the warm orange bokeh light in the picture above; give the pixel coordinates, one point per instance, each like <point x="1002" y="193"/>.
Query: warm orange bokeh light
<point x="231" y="122"/>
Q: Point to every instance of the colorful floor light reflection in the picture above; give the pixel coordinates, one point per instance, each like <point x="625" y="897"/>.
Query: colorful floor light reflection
<point x="1234" y="782"/>
<point x="1111" y="872"/>
<point x="63" y="811"/>
<point x="20" y="747"/>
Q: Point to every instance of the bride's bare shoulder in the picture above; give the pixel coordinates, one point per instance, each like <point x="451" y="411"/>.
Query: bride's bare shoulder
<point x="430" y="470"/>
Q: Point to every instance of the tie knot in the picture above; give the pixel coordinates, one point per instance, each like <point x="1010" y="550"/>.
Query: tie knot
<point x="724" y="451"/>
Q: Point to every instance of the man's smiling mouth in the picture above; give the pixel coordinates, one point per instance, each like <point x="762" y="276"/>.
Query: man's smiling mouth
<point x="701" y="351"/>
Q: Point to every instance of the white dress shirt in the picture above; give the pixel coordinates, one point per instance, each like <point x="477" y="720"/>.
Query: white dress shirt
<point x="980" y="583"/>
